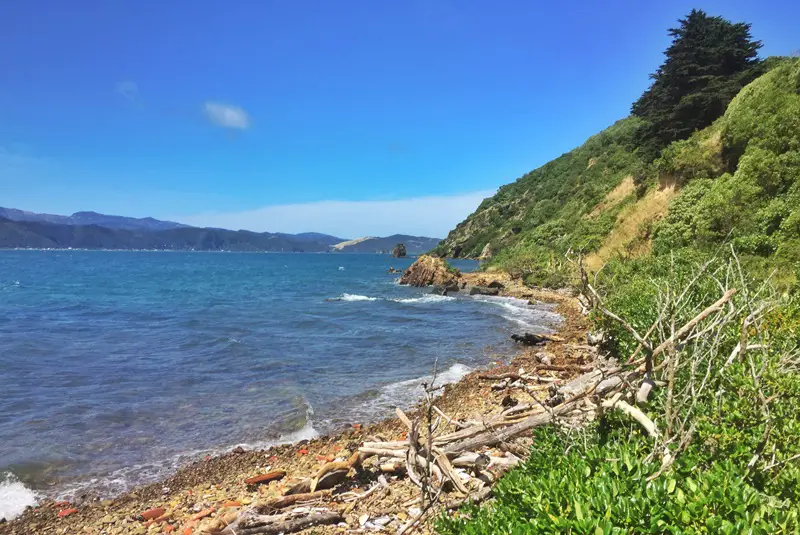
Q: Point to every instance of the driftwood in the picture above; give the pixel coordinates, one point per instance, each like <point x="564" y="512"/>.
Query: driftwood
<point x="617" y="403"/>
<point x="491" y="438"/>
<point x="291" y="499"/>
<point x="249" y="523"/>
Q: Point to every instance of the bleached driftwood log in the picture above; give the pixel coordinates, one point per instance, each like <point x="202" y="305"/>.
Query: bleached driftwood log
<point x="250" y="523"/>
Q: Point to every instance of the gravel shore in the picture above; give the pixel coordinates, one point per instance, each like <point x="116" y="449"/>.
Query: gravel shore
<point x="209" y="493"/>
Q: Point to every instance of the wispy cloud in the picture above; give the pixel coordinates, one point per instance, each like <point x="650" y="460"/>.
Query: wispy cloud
<point x="128" y="89"/>
<point x="424" y="216"/>
<point x="226" y="115"/>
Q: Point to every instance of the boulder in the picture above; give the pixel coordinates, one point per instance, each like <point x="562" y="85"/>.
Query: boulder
<point x="445" y="289"/>
<point x="483" y="290"/>
<point x="429" y="270"/>
<point x="399" y="251"/>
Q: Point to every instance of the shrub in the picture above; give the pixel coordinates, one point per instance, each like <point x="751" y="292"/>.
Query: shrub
<point x="700" y="156"/>
<point x="580" y="485"/>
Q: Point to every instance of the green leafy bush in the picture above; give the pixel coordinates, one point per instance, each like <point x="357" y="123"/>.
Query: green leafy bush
<point x="582" y="485"/>
<point x="700" y="156"/>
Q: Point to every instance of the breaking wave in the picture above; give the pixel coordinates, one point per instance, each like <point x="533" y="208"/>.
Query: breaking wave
<point x="537" y="317"/>
<point x="14" y="497"/>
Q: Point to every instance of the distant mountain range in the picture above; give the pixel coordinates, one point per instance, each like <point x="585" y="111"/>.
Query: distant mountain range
<point x="20" y="229"/>
<point x="91" y="218"/>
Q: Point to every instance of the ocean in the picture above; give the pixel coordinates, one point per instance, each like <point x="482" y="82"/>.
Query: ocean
<point x="116" y="368"/>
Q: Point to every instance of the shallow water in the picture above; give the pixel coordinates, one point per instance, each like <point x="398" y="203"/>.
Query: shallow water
<point x="117" y="367"/>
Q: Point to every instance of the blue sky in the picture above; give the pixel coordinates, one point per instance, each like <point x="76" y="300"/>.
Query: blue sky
<point x="350" y="117"/>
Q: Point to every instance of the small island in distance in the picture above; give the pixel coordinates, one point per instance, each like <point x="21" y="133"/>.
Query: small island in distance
<point x="21" y="229"/>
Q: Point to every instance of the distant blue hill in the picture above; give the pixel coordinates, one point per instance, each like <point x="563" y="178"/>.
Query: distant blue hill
<point x="90" y="230"/>
<point x="91" y="218"/>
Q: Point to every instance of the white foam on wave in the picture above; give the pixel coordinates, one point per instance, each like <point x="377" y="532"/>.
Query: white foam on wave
<point x="405" y="393"/>
<point x="520" y="312"/>
<point x="14" y="497"/>
<point x="354" y="297"/>
<point x="427" y="298"/>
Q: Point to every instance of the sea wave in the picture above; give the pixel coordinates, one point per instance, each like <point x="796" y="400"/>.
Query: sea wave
<point x="125" y="479"/>
<point x="353" y="297"/>
<point x="427" y="298"/>
<point x="402" y="394"/>
<point x="14" y="497"/>
<point x="519" y="311"/>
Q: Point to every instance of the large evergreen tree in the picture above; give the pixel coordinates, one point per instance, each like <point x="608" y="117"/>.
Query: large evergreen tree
<point x="709" y="61"/>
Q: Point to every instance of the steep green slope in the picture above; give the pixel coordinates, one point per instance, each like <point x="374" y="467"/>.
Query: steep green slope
<point x="544" y="210"/>
<point x="753" y="198"/>
<point x="736" y="180"/>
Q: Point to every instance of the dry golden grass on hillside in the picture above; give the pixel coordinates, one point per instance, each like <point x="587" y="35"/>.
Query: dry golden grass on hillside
<point x="626" y="238"/>
<point x="614" y="197"/>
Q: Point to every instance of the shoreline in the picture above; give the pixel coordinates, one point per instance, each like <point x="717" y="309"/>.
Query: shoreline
<point x="218" y="480"/>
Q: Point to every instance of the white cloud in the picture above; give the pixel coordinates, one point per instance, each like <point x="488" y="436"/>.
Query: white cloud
<point x="419" y="216"/>
<point x="226" y="115"/>
<point x="128" y="89"/>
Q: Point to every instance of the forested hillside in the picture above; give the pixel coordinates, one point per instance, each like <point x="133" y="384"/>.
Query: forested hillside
<point x="710" y="154"/>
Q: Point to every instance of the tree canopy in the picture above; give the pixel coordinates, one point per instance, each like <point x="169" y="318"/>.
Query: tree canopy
<point x="709" y="61"/>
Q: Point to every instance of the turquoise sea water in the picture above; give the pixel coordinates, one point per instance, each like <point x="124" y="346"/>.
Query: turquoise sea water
<point x="117" y="367"/>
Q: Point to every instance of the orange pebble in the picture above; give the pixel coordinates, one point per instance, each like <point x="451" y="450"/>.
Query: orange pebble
<point x="232" y="503"/>
<point x="169" y="528"/>
<point x="302" y="451"/>
<point x="67" y="512"/>
<point x="152" y="514"/>
<point x="204" y="513"/>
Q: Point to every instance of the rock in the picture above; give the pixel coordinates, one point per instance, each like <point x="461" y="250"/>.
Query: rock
<point x="204" y="513"/>
<point x="545" y="358"/>
<point x="486" y="253"/>
<point x="483" y="290"/>
<point x="331" y="479"/>
<point x="238" y="450"/>
<point x="429" y="270"/>
<point x="530" y="339"/>
<point x="594" y="338"/>
<point x="152" y="514"/>
<point x="508" y="401"/>
<point x="607" y="385"/>
<point x="67" y="512"/>
<point x="495" y="284"/>
<point x="265" y="478"/>
<point x="399" y="251"/>
<point x="210" y="525"/>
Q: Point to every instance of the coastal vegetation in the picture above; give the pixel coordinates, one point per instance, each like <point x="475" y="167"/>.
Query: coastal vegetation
<point x="679" y="227"/>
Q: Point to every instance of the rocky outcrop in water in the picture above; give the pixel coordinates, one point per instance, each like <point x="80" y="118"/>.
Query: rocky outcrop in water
<point x="399" y="251"/>
<point x="429" y="270"/>
<point x="484" y="290"/>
